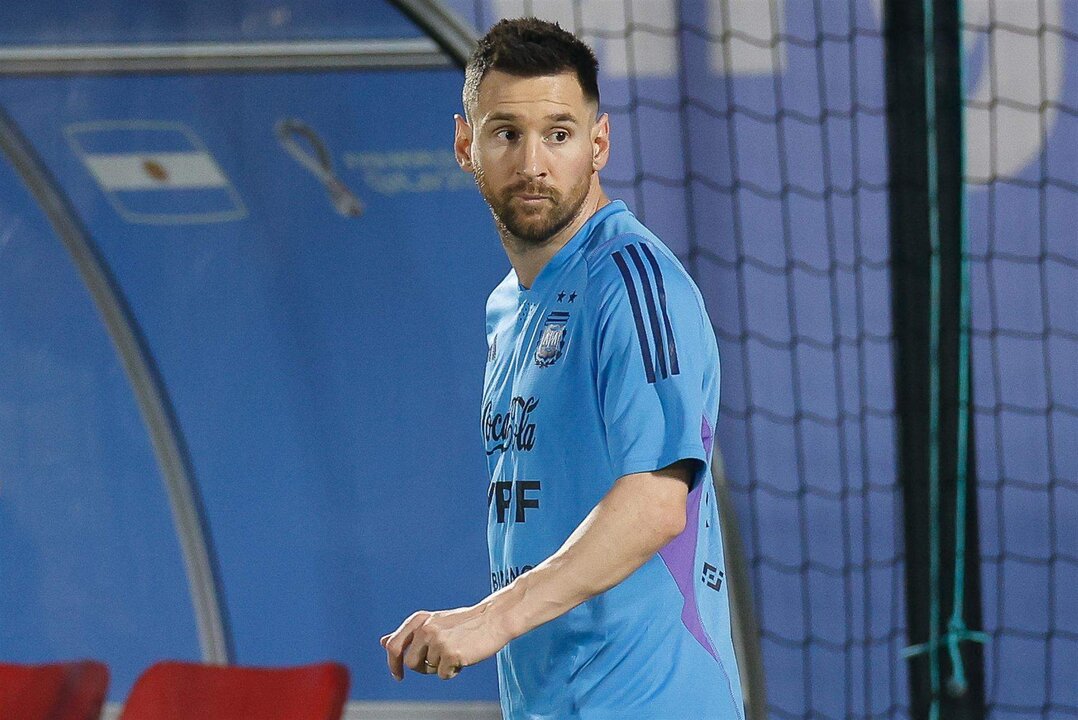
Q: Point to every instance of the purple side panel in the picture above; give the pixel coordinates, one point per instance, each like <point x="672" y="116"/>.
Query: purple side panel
<point x="706" y="435"/>
<point x="679" y="556"/>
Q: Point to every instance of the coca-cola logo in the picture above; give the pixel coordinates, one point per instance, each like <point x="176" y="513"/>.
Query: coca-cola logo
<point x="510" y="430"/>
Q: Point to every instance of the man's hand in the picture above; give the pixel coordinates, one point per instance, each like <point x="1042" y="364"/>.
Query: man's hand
<point x="443" y="642"/>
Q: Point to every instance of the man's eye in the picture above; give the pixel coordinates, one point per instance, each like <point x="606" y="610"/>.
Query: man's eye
<point x="510" y="135"/>
<point x="559" y="136"/>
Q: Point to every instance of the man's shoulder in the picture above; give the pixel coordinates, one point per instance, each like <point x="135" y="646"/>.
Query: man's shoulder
<point x="617" y="228"/>
<point x="633" y="258"/>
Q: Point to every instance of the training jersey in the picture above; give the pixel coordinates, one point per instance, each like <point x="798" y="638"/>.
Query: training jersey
<point x="606" y="366"/>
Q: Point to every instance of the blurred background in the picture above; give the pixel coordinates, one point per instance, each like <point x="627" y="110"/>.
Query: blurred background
<point x="242" y="287"/>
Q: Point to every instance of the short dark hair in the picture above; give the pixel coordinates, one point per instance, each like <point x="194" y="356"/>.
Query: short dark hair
<point x="530" y="47"/>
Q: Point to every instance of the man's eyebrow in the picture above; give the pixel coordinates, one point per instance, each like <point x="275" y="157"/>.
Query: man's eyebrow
<point x="513" y="117"/>
<point x="562" y="117"/>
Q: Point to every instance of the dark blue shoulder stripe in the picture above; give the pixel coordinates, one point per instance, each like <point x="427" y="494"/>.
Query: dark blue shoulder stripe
<point x="634" y="301"/>
<point x="671" y="344"/>
<point x="653" y="314"/>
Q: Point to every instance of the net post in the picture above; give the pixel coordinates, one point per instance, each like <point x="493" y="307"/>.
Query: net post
<point x="930" y="309"/>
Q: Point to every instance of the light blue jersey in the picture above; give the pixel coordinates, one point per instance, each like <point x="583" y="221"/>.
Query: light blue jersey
<point x="607" y="366"/>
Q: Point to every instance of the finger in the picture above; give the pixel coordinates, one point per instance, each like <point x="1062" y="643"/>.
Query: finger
<point x="398" y="642"/>
<point x="416" y="656"/>
<point x="393" y="660"/>
<point x="431" y="661"/>
<point x="449" y="667"/>
<point x="393" y="647"/>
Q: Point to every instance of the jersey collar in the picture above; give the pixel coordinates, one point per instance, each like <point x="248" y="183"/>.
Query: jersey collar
<point x="573" y="245"/>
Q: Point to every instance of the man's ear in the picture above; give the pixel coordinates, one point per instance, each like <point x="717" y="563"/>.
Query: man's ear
<point x="462" y="143"/>
<point x="600" y="142"/>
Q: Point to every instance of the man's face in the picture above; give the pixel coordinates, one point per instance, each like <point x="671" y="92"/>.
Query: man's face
<point x="534" y="145"/>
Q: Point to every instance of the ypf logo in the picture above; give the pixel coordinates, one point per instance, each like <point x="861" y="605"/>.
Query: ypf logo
<point x="517" y="495"/>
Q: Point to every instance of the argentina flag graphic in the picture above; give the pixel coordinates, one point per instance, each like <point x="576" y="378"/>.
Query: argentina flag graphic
<point x="156" y="172"/>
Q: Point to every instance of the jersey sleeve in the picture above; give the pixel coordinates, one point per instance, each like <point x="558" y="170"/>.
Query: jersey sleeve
<point x="651" y="355"/>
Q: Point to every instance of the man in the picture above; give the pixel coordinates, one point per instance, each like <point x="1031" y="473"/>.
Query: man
<point x="600" y="396"/>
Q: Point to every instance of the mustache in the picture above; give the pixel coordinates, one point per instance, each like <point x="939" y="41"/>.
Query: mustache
<point x="526" y="188"/>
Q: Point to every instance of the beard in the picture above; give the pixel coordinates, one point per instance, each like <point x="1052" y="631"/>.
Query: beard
<point x="533" y="226"/>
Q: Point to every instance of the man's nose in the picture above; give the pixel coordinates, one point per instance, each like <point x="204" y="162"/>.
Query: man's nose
<point x="532" y="161"/>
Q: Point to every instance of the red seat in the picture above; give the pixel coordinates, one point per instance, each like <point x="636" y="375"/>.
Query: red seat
<point x="182" y="691"/>
<point x="54" y="691"/>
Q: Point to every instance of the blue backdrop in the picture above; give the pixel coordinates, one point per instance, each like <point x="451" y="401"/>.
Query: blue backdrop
<point x="325" y="370"/>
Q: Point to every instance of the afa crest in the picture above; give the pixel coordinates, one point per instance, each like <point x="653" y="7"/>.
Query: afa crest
<point x="552" y="339"/>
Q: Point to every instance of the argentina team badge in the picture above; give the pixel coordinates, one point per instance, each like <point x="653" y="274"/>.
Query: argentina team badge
<point x="552" y="339"/>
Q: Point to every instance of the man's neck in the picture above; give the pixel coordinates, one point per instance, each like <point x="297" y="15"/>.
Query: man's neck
<point x="529" y="260"/>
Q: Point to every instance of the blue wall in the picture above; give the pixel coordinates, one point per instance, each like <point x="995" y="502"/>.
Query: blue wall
<point x="324" y="371"/>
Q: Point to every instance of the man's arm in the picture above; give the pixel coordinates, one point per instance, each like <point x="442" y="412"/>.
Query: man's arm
<point x="634" y="520"/>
